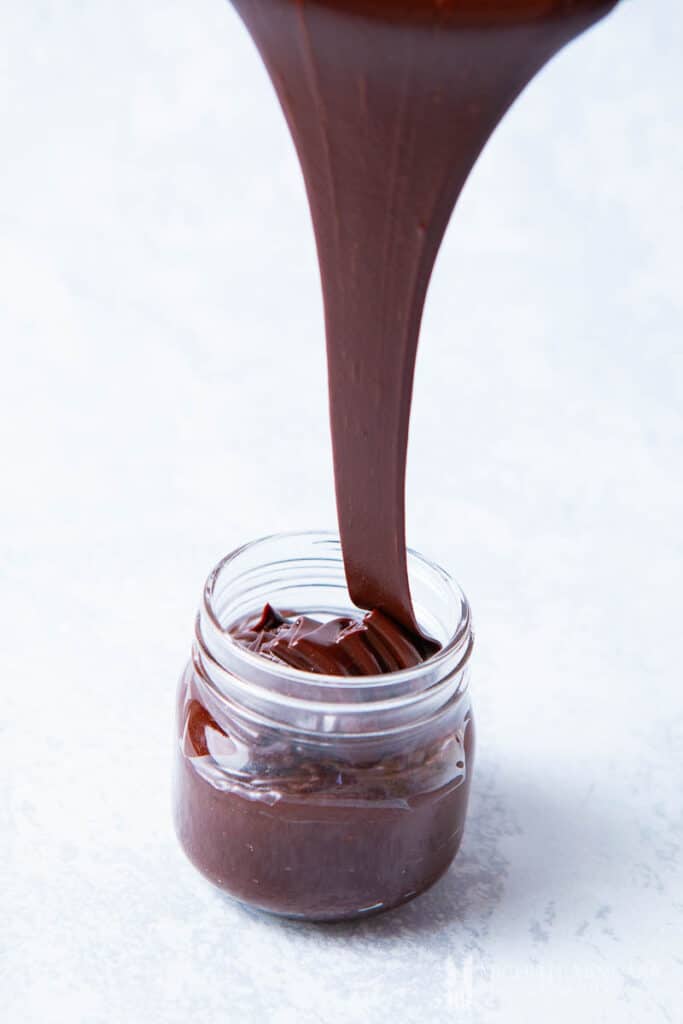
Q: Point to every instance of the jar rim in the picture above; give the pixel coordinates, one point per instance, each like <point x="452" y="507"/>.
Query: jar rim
<point x="451" y="657"/>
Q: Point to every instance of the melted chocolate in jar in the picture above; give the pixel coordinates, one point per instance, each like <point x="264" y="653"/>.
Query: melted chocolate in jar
<point x="389" y="103"/>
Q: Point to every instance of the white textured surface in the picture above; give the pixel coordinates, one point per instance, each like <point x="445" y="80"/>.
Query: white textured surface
<point x="162" y="400"/>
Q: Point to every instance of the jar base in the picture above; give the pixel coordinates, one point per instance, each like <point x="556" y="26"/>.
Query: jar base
<point x="337" y="916"/>
<point x="350" y="917"/>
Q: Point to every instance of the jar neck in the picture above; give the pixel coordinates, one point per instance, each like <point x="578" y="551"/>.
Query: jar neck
<point x="305" y="572"/>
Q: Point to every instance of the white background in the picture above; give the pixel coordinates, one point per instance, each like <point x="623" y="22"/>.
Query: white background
<point x="162" y="400"/>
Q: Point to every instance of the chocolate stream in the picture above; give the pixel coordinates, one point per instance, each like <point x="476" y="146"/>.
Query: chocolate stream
<point x="389" y="105"/>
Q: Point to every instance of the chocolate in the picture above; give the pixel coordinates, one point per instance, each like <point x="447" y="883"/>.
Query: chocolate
<point x="345" y="646"/>
<point x="389" y="103"/>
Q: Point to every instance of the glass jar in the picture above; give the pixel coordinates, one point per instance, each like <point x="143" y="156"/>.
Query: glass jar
<point x="313" y="796"/>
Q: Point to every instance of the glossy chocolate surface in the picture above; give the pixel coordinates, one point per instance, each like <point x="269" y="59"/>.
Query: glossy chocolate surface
<point x="342" y="646"/>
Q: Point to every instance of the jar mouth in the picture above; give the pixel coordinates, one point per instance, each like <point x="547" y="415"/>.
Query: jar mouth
<point x="322" y="553"/>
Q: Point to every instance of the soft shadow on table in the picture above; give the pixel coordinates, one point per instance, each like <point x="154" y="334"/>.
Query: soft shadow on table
<point x="484" y="879"/>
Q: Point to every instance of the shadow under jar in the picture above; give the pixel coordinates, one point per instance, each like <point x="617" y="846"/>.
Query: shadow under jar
<point x="312" y="796"/>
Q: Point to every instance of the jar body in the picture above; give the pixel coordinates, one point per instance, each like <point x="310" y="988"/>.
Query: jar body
<point x="319" y="831"/>
<point x="313" y="796"/>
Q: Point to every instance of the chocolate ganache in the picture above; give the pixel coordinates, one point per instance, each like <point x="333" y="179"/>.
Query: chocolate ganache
<point x="389" y="103"/>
